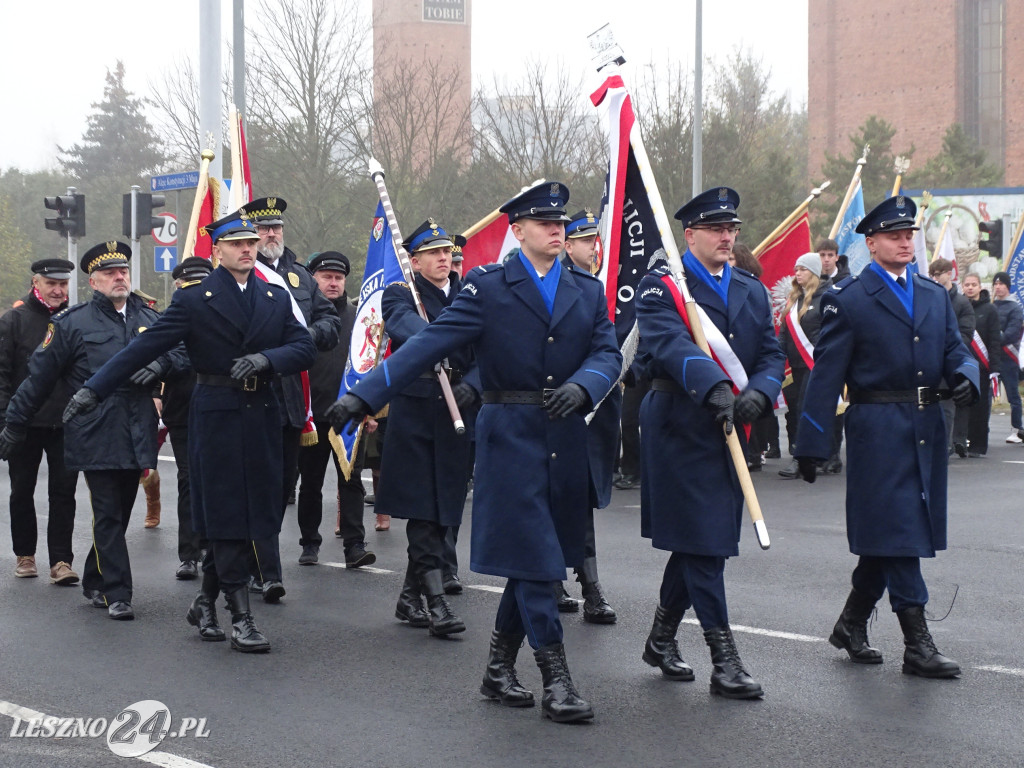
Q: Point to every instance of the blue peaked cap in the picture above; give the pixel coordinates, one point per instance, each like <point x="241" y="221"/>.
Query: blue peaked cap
<point x="545" y="201"/>
<point x="713" y="206"/>
<point x="899" y="212"/>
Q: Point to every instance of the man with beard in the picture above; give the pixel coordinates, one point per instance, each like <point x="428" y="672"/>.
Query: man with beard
<point x="22" y="330"/>
<point x="330" y="270"/>
<point x="115" y="443"/>
<point x="324" y="325"/>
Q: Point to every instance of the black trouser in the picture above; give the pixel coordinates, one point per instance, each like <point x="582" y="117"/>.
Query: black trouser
<point x="265" y="564"/>
<point x="313" y="461"/>
<point x="977" y="418"/>
<point x="449" y="556"/>
<point x="61" y="484"/>
<point x="698" y="581"/>
<point x="629" y="464"/>
<point x="426" y="545"/>
<point x="795" y="402"/>
<point x="107" y="567"/>
<point x="530" y="608"/>
<point x="900" y="575"/>
<point x="226" y="565"/>
<point x="190" y="543"/>
<point x="764" y="434"/>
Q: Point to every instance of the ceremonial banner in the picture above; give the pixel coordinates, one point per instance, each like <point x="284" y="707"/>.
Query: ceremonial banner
<point x="208" y="211"/>
<point x="366" y="348"/>
<point x="491" y="245"/>
<point x="852" y="244"/>
<point x="628" y="227"/>
<point x="920" y="252"/>
<point x="945" y="250"/>
<point x="1015" y="268"/>
<point x="779" y="258"/>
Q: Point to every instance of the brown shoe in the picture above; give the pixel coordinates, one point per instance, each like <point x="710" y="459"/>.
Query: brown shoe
<point x="383" y="523"/>
<point x="151" y="485"/>
<point x="62" y="574"/>
<point x="26" y="568"/>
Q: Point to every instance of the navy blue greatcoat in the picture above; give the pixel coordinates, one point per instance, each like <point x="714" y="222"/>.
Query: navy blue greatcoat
<point x="690" y="497"/>
<point x="121" y="432"/>
<point x="895" y="452"/>
<point x="530" y="487"/>
<point x="425" y="466"/>
<point x="234" y="436"/>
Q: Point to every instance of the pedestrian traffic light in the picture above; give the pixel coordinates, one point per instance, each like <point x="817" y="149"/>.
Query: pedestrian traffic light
<point x="70" y="219"/>
<point x="145" y="221"/>
<point x="994" y="243"/>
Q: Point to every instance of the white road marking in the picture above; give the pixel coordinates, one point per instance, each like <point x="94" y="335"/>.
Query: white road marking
<point x="767" y="632"/>
<point x="156" y="757"/>
<point x="1002" y="670"/>
<point x="1009" y="461"/>
<point x="365" y="568"/>
<point x="486" y="588"/>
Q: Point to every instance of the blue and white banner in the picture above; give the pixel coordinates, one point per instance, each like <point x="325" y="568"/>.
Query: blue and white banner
<point x="850" y="243"/>
<point x="368" y="345"/>
<point x="1015" y="267"/>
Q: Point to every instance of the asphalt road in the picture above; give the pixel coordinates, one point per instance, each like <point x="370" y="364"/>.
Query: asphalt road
<point x="348" y="685"/>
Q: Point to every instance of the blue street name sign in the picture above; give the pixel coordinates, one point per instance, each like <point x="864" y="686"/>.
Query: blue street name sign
<point x="172" y="181"/>
<point x="165" y="258"/>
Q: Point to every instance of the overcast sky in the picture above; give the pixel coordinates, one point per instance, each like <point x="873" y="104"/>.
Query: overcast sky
<point x="56" y="53"/>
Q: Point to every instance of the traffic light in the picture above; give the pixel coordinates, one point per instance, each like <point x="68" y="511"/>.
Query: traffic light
<point x="145" y="221"/>
<point x="70" y="219"/>
<point x="994" y="243"/>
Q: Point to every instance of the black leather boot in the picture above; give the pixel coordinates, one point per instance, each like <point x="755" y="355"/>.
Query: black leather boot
<point x="500" y="681"/>
<point x="729" y="679"/>
<point x="203" y="614"/>
<point x="560" y="702"/>
<point x="245" y="635"/>
<point x="921" y="657"/>
<point x="566" y="604"/>
<point x="851" y="631"/>
<point x="662" y="650"/>
<point x="596" y="609"/>
<point x="410" y="602"/>
<point x="442" y="620"/>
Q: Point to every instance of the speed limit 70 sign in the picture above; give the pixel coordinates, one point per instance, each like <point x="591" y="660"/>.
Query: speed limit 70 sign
<point x="167" y="234"/>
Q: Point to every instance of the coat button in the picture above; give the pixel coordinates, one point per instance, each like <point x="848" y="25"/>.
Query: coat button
<point x="917" y="339"/>
<point x="920" y="407"/>
<point x="554" y="455"/>
<point x="693" y="392"/>
<point x="920" y="373"/>
<point x="731" y="336"/>
<point x="922" y="442"/>
<point x="551" y="339"/>
<point x="550" y="379"/>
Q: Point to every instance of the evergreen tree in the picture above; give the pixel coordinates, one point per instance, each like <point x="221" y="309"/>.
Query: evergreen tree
<point x="17" y="256"/>
<point x="961" y="163"/>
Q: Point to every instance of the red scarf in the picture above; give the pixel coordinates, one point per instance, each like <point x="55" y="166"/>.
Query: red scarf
<point x="41" y="300"/>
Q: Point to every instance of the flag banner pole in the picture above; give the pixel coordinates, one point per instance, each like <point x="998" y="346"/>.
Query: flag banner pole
<point x="849" y="193"/>
<point x="900" y="165"/>
<point x="490" y="217"/>
<point x="679" y="276"/>
<point x="942" y="235"/>
<point x="790" y="219"/>
<point x="237" y="173"/>
<point x="207" y="156"/>
<point x="926" y="200"/>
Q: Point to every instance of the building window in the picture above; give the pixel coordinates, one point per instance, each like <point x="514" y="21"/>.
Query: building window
<point x="982" y="87"/>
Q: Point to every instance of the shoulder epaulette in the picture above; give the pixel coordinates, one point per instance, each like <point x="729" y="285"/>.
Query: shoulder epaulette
<point x="400" y="283"/>
<point x="583" y="273"/>
<point x="659" y="271"/>
<point x="487" y="269"/>
<point x="843" y="283"/>
<point x="190" y="283"/>
<point x="744" y="272"/>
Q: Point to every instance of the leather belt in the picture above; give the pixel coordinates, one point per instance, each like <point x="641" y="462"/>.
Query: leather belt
<point x="667" y="385"/>
<point x="250" y="384"/>
<point x="921" y="396"/>
<point x="454" y="375"/>
<point x="516" y="397"/>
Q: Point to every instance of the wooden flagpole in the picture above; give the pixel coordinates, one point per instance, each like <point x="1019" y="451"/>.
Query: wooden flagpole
<point x="942" y="235"/>
<point x="490" y="217"/>
<point x="849" y="193"/>
<point x="926" y="200"/>
<point x="901" y="165"/>
<point x="237" y="176"/>
<point x="790" y="219"/>
<point x="197" y="204"/>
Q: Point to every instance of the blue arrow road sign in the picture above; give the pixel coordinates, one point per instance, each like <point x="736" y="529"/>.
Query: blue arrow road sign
<point x="165" y="258"/>
<point x="172" y="181"/>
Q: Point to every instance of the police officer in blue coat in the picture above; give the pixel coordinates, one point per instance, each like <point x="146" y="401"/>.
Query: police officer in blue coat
<point x="240" y="333"/>
<point x="424" y="471"/>
<point x="546" y="353"/>
<point x="890" y="335"/>
<point x="112" y="446"/>
<point x="691" y="501"/>
<point x="602" y="441"/>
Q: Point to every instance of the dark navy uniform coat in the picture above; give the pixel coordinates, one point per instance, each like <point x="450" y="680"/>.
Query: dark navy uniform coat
<point x="895" y="452"/>
<point x="530" y="485"/>
<point x="425" y="466"/>
<point x="690" y="497"/>
<point x="234" y="436"/>
<point x="121" y="432"/>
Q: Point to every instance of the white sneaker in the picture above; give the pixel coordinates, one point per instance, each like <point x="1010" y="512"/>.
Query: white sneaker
<point x="1014" y="438"/>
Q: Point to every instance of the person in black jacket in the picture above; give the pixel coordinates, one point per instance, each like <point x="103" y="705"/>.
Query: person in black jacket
<point x="21" y="331"/>
<point x="941" y="271"/>
<point x="330" y="269"/>
<point x="989" y="353"/>
<point x="324" y="325"/>
<point x="116" y="441"/>
<point x="1011" y="319"/>
<point x="176" y="397"/>
<point x="801" y="324"/>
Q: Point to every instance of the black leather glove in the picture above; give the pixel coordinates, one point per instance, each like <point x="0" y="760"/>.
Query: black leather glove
<point x="721" y="401"/>
<point x="148" y="376"/>
<point x="750" y="404"/>
<point x="348" y="411"/>
<point x="10" y="437"/>
<point x="83" y="401"/>
<point x="247" y="366"/>
<point x="567" y="398"/>
<point x="807" y="468"/>
<point x="465" y="395"/>
<point x="964" y="393"/>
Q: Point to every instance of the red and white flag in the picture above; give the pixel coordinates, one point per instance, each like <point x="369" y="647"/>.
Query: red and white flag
<point x="779" y="258"/>
<point x="490" y="245"/>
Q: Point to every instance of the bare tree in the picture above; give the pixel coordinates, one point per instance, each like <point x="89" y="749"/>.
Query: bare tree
<point x="175" y="110"/>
